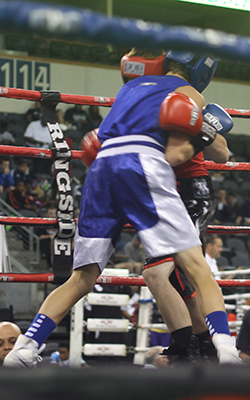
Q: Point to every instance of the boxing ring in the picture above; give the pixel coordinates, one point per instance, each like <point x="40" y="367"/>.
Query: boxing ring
<point x="187" y="383"/>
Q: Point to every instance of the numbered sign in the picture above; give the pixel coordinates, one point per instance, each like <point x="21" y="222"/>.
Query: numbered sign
<point x="24" y="74"/>
<point x="42" y="76"/>
<point x="6" y="72"/>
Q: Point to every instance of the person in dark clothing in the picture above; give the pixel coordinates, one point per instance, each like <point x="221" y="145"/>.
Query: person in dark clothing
<point x="243" y="340"/>
<point x="94" y="116"/>
<point x="19" y="199"/>
<point x="244" y="211"/>
<point x="78" y="117"/>
<point x="22" y="173"/>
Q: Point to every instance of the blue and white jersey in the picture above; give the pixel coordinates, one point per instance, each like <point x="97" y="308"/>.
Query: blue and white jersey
<point x="136" y="108"/>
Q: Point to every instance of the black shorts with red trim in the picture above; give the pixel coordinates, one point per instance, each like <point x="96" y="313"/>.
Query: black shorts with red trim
<point x="153" y="261"/>
<point x="198" y="196"/>
<point x="180" y="282"/>
<point x="177" y="278"/>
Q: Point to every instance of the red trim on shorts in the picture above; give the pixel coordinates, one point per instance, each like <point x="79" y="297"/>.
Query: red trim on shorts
<point x="159" y="262"/>
<point x="179" y="279"/>
<point x="189" y="297"/>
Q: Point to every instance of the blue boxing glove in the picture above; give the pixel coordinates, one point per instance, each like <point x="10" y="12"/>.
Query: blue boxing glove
<point x="215" y="120"/>
<point x="217" y="117"/>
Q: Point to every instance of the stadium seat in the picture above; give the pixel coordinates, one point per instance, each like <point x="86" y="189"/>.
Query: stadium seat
<point x="236" y="245"/>
<point x="60" y="49"/>
<point x="38" y="47"/>
<point x="241" y="260"/>
<point x="80" y="52"/>
<point x="16" y="43"/>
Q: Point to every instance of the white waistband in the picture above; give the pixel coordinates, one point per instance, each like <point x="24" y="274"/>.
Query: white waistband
<point x="130" y="138"/>
<point x="124" y="144"/>
<point x="130" y="148"/>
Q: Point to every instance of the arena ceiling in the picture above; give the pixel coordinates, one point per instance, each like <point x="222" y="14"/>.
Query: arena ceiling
<point x="170" y="12"/>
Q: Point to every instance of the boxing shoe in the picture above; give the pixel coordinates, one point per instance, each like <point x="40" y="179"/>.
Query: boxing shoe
<point x="25" y="354"/>
<point x="226" y="350"/>
<point x="208" y="352"/>
<point x="177" y="353"/>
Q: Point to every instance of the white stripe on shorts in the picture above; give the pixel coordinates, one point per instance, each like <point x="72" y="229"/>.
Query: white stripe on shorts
<point x="130" y="147"/>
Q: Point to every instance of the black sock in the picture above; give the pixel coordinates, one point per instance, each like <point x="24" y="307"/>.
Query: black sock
<point x="182" y="335"/>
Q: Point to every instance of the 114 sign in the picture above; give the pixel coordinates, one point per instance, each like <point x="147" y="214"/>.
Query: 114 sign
<point x="23" y="74"/>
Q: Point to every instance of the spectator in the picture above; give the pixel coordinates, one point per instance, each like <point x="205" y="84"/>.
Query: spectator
<point x="244" y="211"/>
<point x="9" y="333"/>
<point x="243" y="339"/>
<point x="60" y="358"/>
<point x="134" y="251"/>
<point x="6" y="179"/>
<point x="222" y="212"/>
<point x="22" y="173"/>
<point x="213" y="249"/>
<point x="20" y="200"/>
<point x="154" y="359"/>
<point x="233" y="207"/>
<point x="94" y="116"/>
<point x="42" y="188"/>
<point x="234" y="175"/>
<point x="78" y="117"/>
<point x="6" y="137"/>
<point x="33" y="114"/>
<point x="46" y="236"/>
<point x="133" y="256"/>
<point x="38" y="135"/>
<point x="60" y="117"/>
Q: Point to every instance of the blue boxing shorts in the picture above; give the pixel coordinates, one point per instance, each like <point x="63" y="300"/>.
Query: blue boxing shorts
<point x="131" y="182"/>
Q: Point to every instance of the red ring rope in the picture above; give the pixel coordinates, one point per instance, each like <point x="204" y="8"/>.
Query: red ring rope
<point x="234" y="166"/>
<point x="33" y="95"/>
<point x="106" y="280"/>
<point x="33" y="152"/>
<point x="76" y="154"/>
<point x="32" y="221"/>
<point x="87" y="100"/>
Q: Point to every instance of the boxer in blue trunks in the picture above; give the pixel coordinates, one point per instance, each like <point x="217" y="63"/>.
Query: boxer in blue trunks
<point x="155" y="124"/>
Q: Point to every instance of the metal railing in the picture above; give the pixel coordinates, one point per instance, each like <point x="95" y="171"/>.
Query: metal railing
<point x="26" y="247"/>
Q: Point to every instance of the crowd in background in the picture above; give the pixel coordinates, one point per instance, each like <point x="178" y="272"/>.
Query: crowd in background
<point x="29" y="184"/>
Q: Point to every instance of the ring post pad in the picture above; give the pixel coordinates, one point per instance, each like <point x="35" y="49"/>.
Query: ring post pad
<point x="63" y="254"/>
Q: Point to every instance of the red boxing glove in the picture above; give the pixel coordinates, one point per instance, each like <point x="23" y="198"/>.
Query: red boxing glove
<point x="90" y="145"/>
<point x="179" y="112"/>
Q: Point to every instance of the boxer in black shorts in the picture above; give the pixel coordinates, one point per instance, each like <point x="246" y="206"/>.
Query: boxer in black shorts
<point x="198" y="196"/>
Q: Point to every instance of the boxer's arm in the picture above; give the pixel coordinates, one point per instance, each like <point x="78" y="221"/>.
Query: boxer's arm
<point x="218" y="150"/>
<point x="178" y="149"/>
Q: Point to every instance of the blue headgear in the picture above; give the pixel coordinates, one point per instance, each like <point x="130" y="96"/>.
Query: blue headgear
<point x="202" y="71"/>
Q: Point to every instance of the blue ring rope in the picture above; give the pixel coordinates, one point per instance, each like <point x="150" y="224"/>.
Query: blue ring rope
<point x="84" y="24"/>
